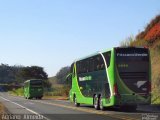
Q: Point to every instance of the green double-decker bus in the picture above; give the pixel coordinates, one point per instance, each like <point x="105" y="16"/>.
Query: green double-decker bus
<point x="119" y="77"/>
<point x="33" y="89"/>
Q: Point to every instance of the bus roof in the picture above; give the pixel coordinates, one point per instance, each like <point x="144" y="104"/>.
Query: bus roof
<point x="31" y="80"/>
<point x="94" y="54"/>
<point x="103" y="51"/>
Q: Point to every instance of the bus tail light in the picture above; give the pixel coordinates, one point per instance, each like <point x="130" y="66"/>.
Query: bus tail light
<point x="116" y="93"/>
<point x="146" y="47"/>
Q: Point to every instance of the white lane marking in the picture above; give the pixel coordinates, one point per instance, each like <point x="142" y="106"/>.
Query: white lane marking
<point x="24" y="108"/>
<point x="64" y="101"/>
<point x="29" y="103"/>
<point x="89" y="111"/>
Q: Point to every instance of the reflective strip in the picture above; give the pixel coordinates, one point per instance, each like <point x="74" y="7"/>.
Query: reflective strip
<point x="107" y="74"/>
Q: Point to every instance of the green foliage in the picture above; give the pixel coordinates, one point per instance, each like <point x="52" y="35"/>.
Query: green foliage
<point x="127" y="42"/>
<point x="156" y="90"/>
<point x="18" y="92"/>
<point x="57" y="90"/>
<point x="131" y="41"/>
<point x="139" y="43"/>
<point x="33" y="72"/>
<point x="9" y="74"/>
<point x="155" y="60"/>
<point x="60" y="86"/>
<point x="61" y="75"/>
<point x="19" y="74"/>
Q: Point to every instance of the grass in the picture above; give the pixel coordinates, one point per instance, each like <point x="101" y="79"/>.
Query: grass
<point x="17" y="92"/>
<point x="155" y="61"/>
<point x="3" y="110"/>
<point x="57" y="91"/>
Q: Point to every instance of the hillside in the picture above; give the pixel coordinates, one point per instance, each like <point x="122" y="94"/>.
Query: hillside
<point x="152" y="31"/>
<point x="150" y="38"/>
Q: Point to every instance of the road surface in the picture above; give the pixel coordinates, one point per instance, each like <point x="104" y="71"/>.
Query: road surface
<point x="64" y="110"/>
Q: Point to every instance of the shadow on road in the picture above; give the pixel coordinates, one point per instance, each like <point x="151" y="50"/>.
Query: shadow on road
<point x="140" y="109"/>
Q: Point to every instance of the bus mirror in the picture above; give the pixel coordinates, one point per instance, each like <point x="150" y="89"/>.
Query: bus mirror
<point x="69" y="77"/>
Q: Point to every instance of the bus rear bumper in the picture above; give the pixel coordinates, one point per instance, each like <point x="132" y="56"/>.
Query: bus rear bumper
<point x="133" y="100"/>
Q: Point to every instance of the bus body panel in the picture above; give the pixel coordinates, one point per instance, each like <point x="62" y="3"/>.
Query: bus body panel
<point x="33" y="89"/>
<point x="125" y="95"/>
<point x="133" y="78"/>
<point x="89" y="99"/>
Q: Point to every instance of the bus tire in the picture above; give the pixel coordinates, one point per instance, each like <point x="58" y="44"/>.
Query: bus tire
<point x="101" y="104"/>
<point x="28" y="97"/>
<point x="96" y="102"/>
<point x="75" y="101"/>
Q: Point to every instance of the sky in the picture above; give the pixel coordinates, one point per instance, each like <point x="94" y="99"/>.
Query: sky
<point x="53" y="33"/>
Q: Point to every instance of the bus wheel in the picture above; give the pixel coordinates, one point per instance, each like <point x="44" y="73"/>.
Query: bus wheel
<point x="96" y="102"/>
<point x="28" y="97"/>
<point x="75" y="102"/>
<point x="101" y="104"/>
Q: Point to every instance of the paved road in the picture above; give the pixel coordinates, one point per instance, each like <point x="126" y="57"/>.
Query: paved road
<point x="62" y="110"/>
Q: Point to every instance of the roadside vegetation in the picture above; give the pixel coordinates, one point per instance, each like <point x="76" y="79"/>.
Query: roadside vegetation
<point x="17" y="92"/>
<point x="150" y="38"/>
<point x="58" y="86"/>
<point x="2" y="110"/>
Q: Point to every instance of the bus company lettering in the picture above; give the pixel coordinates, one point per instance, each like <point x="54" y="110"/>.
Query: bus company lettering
<point x="134" y="54"/>
<point x="85" y="78"/>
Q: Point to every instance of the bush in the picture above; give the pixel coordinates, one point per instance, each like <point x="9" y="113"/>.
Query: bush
<point x="58" y="90"/>
<point x="18" y="92"/>
<point x="127" y="42"/>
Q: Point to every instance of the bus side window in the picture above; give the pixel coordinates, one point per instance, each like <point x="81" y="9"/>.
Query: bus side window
<point x="91" y="64"/>
<point x="101" y="63"/>
<point x="71" y="69"/>
<point x="87" y="65"/>
<point x="74" y="71"/>
<point x="98" y="63"/>
<point x="107" y="56"/>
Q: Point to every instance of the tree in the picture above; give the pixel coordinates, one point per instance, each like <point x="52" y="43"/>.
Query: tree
<point x="33" y="72"/>
<point x="61" y="75"/>
<point x="18" y="74"/>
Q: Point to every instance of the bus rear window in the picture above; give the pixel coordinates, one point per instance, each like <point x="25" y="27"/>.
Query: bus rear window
<point x="36" y="83"/>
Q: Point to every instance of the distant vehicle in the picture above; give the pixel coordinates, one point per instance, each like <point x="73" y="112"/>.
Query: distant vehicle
<point x="33" y="89"/>
<point x="119" y="77"/>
